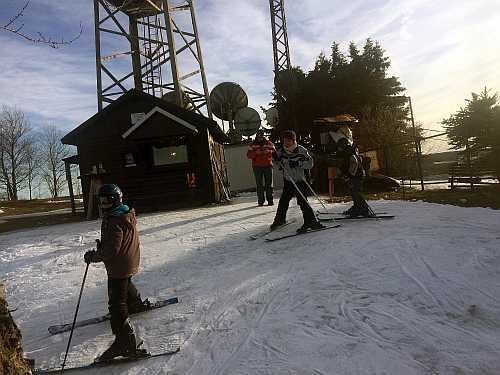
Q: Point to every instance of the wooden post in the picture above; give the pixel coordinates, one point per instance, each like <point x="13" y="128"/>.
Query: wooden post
<point x="136" y="55"/>
<point x="67" y="165"/>
<point x="90" y="205"/>
<point x="417" y="146"/>
<point x="469" y="165"/>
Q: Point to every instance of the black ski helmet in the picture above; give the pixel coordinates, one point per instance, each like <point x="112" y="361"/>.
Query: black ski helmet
<point x="110" y="193"/>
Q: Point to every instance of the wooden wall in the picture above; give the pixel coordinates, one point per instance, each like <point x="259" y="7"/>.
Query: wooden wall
<point x="148" y="187"/>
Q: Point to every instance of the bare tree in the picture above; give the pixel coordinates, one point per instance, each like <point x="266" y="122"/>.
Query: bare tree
<point x="14" y="147"/>
<point x="33" y="159"/>
<point x="16" y="27"/>
<point x="53" y="153"/>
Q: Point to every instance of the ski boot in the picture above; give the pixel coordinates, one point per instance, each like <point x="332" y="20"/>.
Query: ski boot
<point x="315" y="225"/>
<point x="140" y="307"/>
<point x="366" y="213"/>
<point x="276" y="224"/>
<point x="125" y="345"/>
<point x="350" y="212"/>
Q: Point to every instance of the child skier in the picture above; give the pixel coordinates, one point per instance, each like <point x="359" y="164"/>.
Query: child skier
<point x="294" y="159"/>
<point x="119" y="250"/>
<point x="353" y="172"/>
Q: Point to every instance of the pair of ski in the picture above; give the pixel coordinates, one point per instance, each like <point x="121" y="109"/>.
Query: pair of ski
<point x="321" y="217"/>
<point x="60" y="328"/>
<point x="115" y="361"/>
<point x="281" y="227"/>
<point x="331" y="216"/>
<point x="56" y="329"/>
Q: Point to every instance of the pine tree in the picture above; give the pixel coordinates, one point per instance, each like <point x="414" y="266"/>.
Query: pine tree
<point x="477" y="127"/>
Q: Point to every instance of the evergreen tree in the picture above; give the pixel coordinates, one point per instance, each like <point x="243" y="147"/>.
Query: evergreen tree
<point x="357" y="84"/>
<point x="477" y="127"/>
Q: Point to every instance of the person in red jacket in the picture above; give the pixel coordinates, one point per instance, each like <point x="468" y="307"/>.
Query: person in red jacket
<point x="261" y="152"/>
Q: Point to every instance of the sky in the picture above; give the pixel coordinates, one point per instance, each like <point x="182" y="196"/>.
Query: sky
<point x="441" y="51"/>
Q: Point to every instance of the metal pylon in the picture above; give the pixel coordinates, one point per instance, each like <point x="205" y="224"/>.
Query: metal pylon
<point x="282" y="65"/>
<point x="280" y="37"/>
<point x="158" y="40"/>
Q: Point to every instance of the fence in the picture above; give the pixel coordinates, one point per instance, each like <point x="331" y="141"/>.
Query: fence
<point x="449" y="169"/>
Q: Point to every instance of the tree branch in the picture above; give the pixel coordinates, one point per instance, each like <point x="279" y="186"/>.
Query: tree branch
<point x="40" y="39"/>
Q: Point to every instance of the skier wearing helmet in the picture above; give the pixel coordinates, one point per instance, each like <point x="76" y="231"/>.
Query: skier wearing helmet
<point x="119" y="249"/>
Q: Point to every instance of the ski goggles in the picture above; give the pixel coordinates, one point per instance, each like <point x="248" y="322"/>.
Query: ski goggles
<point x="105" y="200"/>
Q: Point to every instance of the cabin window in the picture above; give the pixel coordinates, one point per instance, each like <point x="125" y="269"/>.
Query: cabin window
<point x="169" y="155"/>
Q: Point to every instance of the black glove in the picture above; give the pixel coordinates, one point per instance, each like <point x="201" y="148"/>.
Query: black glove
<point x="294" y="163"/>
<point x="89" y="256"/>
<point x="98" y="244"/>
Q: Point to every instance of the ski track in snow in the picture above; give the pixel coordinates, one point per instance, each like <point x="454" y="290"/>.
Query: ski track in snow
<point x="415" y="295"/>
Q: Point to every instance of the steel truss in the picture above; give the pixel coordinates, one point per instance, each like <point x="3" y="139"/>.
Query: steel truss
<point x="280" y="37"/>
<point x="156" y="35"/>
<point x="282" y="66"/>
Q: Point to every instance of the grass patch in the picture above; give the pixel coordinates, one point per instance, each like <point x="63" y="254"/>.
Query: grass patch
<point x="15" y="214"/>
<point x="36" y="205"/>
<point x="484" y="196"/>
<point x="30" y="222"/>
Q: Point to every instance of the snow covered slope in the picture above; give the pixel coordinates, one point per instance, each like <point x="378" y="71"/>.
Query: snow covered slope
<point x="416" y="295"/>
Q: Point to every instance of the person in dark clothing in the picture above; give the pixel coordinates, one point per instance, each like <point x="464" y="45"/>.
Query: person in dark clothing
<point x="353" y="172"/>
<point x="294" y="159"/>
<point x="119" y="249"/>
<point x="261" y="151"/>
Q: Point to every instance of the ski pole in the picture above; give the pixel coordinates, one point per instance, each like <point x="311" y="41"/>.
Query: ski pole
<point x="314" y="193"/>
<point x="285" y="172"/>
<point x="74" y="319"/>
<point x="371" y="210"/>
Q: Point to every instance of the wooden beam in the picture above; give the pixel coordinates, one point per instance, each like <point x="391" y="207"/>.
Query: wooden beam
<point x="67" y="165"/>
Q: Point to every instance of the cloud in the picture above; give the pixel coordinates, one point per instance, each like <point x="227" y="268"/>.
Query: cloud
<point x="440" y="50"/>
<point x="53" y="84"/>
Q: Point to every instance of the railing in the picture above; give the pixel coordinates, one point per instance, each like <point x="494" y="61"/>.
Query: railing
<point x="461" y="175"/>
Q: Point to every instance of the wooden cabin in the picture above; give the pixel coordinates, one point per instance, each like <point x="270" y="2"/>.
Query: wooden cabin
<point x="159" y="154"/>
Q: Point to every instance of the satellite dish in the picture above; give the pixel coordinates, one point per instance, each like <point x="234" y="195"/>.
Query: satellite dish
<point x="171" y="97"/>
<point x="247" y="121"/>
<point x="226" y="99"/>
<point x="272" y="117"/>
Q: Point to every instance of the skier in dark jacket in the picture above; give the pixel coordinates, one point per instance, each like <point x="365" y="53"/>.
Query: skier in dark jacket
<point x="119" y="249"/>
<point x="353" y="172"/>
<point x="294" y="159"/>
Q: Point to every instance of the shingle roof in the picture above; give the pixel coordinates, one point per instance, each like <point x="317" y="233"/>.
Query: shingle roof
<point x="188" y="116"/>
